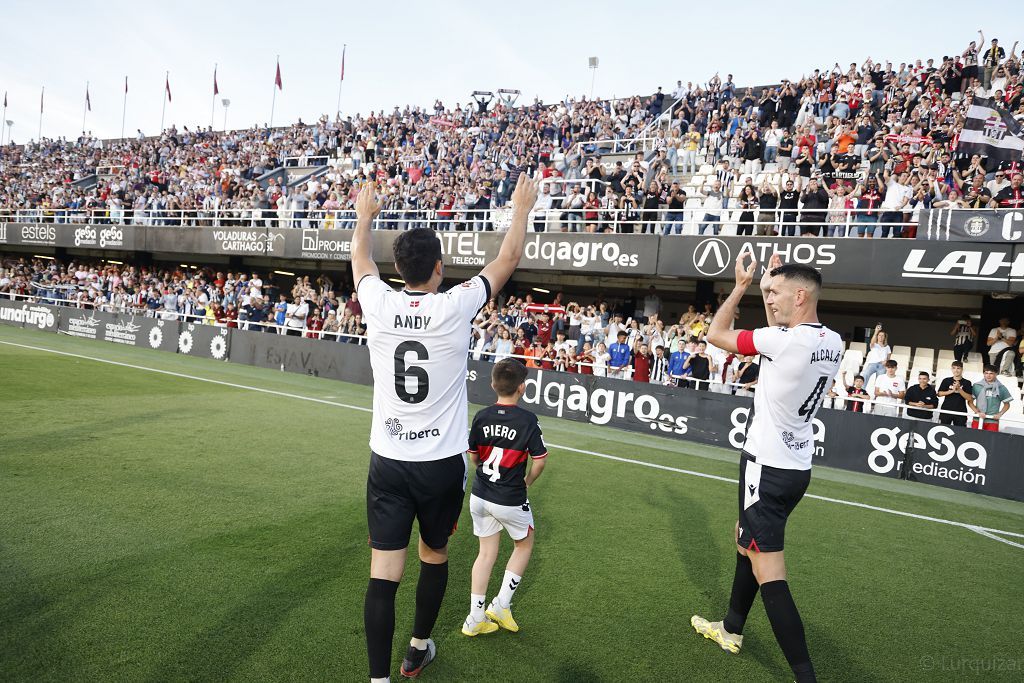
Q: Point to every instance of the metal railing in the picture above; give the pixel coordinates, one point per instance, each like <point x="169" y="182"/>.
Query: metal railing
<point x="607" y="217"/>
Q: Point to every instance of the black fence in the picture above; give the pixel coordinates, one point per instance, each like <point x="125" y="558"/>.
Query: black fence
<point x="991" y="262"/>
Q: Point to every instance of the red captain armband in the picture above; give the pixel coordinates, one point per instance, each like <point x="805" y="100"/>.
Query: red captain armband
<point x="745" y="343"/>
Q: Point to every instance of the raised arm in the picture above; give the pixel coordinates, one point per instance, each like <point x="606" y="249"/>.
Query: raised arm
<point x="367" y="208"/>
<point x="719" y="333"/>
<point x="498" y="271"/>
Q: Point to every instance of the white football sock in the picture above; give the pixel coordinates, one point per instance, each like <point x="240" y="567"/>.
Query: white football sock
<point x="381" y="680"/>
<point x="418" y="643"/>
<point x="476" y="607"/>
<point x="508" y="587"/>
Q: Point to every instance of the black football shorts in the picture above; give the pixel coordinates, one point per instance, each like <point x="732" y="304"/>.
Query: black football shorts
<point x="767" y="496"/>
<point x="398" y="491"/>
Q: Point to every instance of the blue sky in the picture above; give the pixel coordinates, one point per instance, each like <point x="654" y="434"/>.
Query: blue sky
<point x="404" y="52"/>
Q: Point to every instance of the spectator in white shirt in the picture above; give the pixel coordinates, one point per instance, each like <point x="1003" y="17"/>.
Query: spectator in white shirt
<point x="713" y="205"/>
<point x="999" y="340"/>
<point x="878" y="353"/>
<point x="889" y="391"/>
<point x="540" y="208"/>
<point x="897" y="195"/>
<point x="295" y="316"/>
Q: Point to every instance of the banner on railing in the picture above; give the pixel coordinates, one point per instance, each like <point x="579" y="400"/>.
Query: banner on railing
<point x="31" y="315"/>
<point x="80" y="236"/>
<point x="860" y="262"/>
<point x="987" y="265"/>
<point x="978" y="225"/>
<point x="205" y="341"/>
<point x="952" y="457"/>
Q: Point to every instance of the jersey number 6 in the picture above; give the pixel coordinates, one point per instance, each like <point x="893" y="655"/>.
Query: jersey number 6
<point x="402" y="371"/>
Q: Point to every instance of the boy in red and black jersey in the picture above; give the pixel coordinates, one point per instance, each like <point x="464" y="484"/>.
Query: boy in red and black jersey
<point x="501" y="441"/>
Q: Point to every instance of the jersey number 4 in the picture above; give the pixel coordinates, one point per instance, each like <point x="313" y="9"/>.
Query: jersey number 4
<point x="807" y="409"/>
<point x="403" y="371"/>
<point x="490" y="465"/>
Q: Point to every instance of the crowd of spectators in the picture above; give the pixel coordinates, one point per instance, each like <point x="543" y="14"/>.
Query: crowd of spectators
<point x="629" y="338"/>
<point x="852" y="151"/>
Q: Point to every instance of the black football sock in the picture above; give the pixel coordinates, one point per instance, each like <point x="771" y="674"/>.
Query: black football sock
<point x="379" y="621"/>
<point x="744" y="590"/>
<point x="429" y="594"/>
<point x="788" y="628"/>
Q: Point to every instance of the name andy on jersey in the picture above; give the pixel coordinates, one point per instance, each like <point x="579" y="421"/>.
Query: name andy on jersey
<point x="412" y="322"/>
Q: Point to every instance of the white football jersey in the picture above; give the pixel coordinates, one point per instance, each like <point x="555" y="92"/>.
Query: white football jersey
<point x="419" y="347"/>
<point x="797" y="368"/>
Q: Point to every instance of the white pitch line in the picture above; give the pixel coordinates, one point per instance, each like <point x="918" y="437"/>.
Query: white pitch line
<point x="984" y="531"/>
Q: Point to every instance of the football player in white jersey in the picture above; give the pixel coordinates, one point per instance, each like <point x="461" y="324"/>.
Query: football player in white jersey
<point x="800" y="359"/>
<point x="418" y="340"/>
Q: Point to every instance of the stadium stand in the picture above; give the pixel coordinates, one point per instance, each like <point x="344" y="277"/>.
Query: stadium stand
<point x="651" y="163"/>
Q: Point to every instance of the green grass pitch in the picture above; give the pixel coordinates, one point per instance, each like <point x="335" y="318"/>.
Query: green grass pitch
<point x="159" y="528"/>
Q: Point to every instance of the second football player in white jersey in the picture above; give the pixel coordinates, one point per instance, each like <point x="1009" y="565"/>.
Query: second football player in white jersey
<point x="418" y="340"/>
<point x="800" y="358"/>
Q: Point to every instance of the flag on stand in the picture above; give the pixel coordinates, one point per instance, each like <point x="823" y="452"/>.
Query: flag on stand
<point x="125" y="85"/>
<point x="41" y="100"/>
<point x="343" y="62"/>
<point x="991" y="132"/>
<point x="88" y="102"/>
<point x="167" y="87"/>
<point x="216" y="90"/>
<point x="277" y="77"/>
<point x="5" y="99"/>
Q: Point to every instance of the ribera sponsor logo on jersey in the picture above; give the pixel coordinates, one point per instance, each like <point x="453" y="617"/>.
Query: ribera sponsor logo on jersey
<point x="394" y="427"/>
<point x="565" y="253"/>
<point x="38" y="316"/>
<point x="104" y="238"/>
<point x="600" y="406"/>
<point x="948" y="457"/>
<point x="325" y="247"/>
<point x="714" y="256"/>
<point x="986" y="265"/>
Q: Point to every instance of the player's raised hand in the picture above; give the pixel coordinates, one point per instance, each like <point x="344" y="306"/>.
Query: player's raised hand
<point x="367" y="205"/>
<point x="745" y="273"/>
<point x="766" y="277"/>
<point x="525" y="194"/>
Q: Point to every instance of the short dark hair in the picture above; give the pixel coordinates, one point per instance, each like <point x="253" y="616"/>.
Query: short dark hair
<point x="891" y="363"/>
<point x="858" y="377"/>
<point x="507" y="375"/>
<point x="800" y="272"/>
<point x="990" y="368"/>
<point x="925" y="373"/>
<point x="416" y="252"/>
<point x="957" y="364"/>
